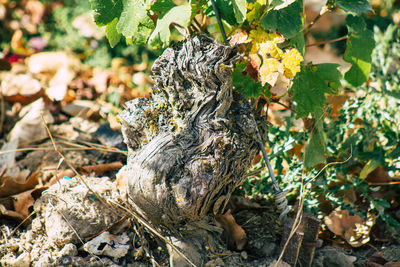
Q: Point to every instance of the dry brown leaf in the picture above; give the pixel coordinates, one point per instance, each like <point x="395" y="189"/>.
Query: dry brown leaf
<point x="9" y="213"/>
<point x="22" y="202"/>
<point x="379" y="175"/>
<point x="253" y="66"/>
<point x="21" y="88"/>
<point x="336" y="102"/>
<point x="296" y="150"/>
<point x="99" y="169"/>
<point x="10" y="187"/>
<point x="354" y="229"/>
<point x="236" y="236"/>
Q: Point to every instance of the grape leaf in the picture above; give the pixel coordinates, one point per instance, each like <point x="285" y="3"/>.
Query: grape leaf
<point x="112" y="34"/>
<point x="315" y="149"/>
<point x="298" y="42"/>
<point x="239" y="9"/>
<point x="355" y="6"/>
<point x="162" y="6"/>
<point x="180" y="15"/>
<point x="245" y="84"/>
<point x="133" y="15"/>
<point x="359" y="47"/>
<point x="226" y="11"/>
<point x="311" y="84"/>
<point x="105" y="10"/>
<point x="287" y="21"/>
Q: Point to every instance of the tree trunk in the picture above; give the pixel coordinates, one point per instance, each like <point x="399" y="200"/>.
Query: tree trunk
<point x="192" y="142"/>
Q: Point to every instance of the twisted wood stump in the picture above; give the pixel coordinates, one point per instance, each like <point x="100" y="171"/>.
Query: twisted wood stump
<point x="192" y="142"/>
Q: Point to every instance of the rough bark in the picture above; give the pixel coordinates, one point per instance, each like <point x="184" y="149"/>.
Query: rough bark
<point x="191" y="143"/>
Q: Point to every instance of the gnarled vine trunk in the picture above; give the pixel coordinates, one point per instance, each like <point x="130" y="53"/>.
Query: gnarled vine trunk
<point x="191" y="143"/>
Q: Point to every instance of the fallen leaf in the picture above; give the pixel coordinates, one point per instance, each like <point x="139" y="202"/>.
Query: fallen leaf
<point x="61" y="66"/>
<point x="10" y="187"/>
<point x="30" y="126"/>
<point x="22" y="202"/>
<point x="354" y="229"/>
<point x="99" y="169"/>
<point x="236" y="236"/>
<point x="21" y="88"/>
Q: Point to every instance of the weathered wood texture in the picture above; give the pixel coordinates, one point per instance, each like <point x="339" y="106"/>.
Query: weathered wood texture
<point x="192" y="142"/>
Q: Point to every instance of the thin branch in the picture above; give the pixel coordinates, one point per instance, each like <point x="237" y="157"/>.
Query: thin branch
<point x="221" y="27"/>
<point x="329" y="41"/>
<point x="323" y="11"/>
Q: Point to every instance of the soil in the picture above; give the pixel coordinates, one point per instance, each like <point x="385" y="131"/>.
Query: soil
<point x="72" y="226"/>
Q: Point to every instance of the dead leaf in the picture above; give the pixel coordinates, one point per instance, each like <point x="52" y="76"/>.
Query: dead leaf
<point x="253" y="67"/>
<point x="336" y="102"/>
<point x="11" y="187"/>
<point x="22" y="202"/>
<point x="9" y="213"/>
<point x="296" y="150"/>
<point x="99" y="169"/>
<point x="62" y="68"/>
<point x="236" y="236"/>
<point x="21" y="88"/>
<point x="30" y="126"/>
<point x="240" y="37"/>
<point x="354" y="229"/>
<point x="379" y="175"/>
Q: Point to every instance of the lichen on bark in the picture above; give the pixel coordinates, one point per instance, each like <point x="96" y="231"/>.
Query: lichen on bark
<point x="192" y="142"/>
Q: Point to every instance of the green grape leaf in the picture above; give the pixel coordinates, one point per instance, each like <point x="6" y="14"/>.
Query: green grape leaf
<point x="105" y="10"/>
<point x="162" y="6"/>
<point x="359" y="47"/>
<point x="112" y="34"/>
<point x="311" y="84"/>
<point x="354" y="6"/>
<point x="180" y="15"/>
<point x="226" y="11"/>
<point x="288" y="21"/>
<point x="315" y="149"/>
<point x="299" y="43"/>
<point x="245" y="84"/>
<point x="239" y="9"/>
<point x="133" y="15"/>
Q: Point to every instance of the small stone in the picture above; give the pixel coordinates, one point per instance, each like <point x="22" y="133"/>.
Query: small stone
<point x="219" y="262"/>
<point x="244" y="255"/>
<point x="69" y="250"/>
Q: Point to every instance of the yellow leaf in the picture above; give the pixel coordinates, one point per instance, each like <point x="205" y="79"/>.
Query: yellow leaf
<point x="270" y="70"/>
<point x="291" y="60"/>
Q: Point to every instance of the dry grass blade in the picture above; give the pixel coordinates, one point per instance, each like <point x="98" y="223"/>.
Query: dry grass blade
<point x="72" y="167"/>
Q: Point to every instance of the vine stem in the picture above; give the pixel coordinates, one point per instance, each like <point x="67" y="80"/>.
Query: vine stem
<point x="265" y="156"/>
<point x="324" y="10"/>
<point x="221" y="27"/>
<point x="329" y="41"/>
